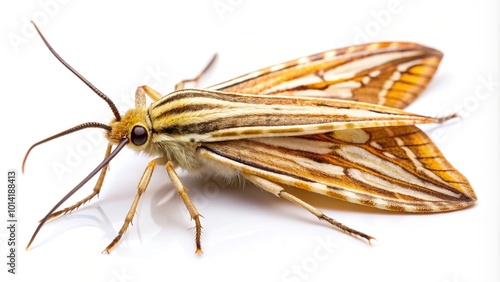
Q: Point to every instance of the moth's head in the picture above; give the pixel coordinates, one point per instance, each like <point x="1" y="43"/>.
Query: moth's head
<point x="132" y="126"/>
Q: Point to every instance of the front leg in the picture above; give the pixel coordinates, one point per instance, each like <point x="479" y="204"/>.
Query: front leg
<point x="195" y="215"/>
<point x="182" y="84"/>
<point x="95" y="192"/>
<point x="141" y="188"/>
<point x="142" y="91"/>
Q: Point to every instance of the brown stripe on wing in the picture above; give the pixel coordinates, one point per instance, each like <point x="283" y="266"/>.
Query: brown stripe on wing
<point x="388" y="168"/>
<point x="203" y="112"/>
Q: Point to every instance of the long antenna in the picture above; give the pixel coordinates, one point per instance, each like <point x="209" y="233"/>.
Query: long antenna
<point x="90" y="85"/>
<point x="65" y="132"/>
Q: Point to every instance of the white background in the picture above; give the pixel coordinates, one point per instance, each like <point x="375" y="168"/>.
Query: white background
<point x="249" y="235"/>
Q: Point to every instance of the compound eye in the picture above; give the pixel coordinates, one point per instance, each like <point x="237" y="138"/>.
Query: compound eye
<point x="139" y="135"/>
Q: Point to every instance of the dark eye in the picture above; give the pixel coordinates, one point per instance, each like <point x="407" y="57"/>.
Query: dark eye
<point x="139" y="135"/>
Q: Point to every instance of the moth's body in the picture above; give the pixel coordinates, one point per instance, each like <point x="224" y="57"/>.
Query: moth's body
<point x="261" y="127"/>
<point x="197" y="130"/>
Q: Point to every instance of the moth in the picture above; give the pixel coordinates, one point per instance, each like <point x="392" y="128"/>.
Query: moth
<point x="330" y="123"/>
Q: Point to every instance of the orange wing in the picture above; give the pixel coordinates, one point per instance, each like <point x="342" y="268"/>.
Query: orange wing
<point x="395" y="168"/>
<point x="386" y="73"/>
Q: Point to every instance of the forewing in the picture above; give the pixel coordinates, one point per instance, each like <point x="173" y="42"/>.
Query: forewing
<point x="392" y="168"/>
<point x="386" y="73"/>
<point x="193" y="115"/>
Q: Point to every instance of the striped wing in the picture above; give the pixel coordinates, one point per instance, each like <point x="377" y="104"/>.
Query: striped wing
<point x="194" y="115"/>
<point x="392" y="168"/>
<point x="386" y="73"/>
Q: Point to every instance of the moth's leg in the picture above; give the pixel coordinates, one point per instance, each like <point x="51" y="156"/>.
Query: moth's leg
<point x="143" y="184"/>
<point x="279" y="191"/>
<point x="181" y="84"/>
<point x="95" y="192"/>
<point x="142" y="91"/>
<point x="195" y="215"/>
<point x="140" y="95"/>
